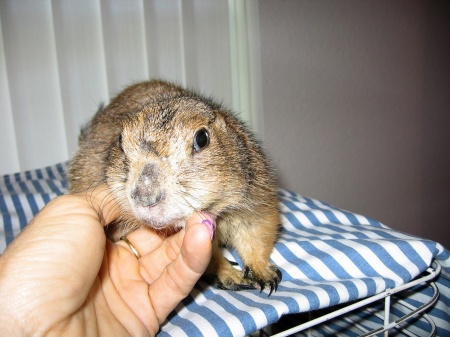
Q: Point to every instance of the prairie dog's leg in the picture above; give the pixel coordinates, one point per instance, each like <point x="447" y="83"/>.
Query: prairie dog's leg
<point x="253" y="239"/>
<point x="254" y="244"/>
<point x="223" y="274"/>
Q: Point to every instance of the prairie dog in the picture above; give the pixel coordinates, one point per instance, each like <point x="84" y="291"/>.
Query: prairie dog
<point x="167" y="152"/>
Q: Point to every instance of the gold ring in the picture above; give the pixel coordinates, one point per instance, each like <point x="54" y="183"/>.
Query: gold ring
<point x="135" y="252"/>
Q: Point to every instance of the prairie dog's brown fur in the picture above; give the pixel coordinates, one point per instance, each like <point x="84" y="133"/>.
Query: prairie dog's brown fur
<point x="167" y="152"/>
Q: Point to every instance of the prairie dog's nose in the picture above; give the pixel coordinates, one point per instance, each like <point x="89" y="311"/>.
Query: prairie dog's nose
<point x="148" y="174"/>
<point x="147" y="191"/>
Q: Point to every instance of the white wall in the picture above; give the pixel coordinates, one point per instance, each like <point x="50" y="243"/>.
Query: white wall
<point x="356" y="106"/>
<point x="60" y="59"/>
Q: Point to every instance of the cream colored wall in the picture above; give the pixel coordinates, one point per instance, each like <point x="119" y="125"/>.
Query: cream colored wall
<point x="356" y="106"/>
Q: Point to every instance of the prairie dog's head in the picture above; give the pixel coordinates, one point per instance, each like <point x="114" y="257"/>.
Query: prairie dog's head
<point x="175" y="157"/>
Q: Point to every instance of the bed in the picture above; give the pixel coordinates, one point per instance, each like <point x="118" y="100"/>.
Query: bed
<point x="343" y="273"/>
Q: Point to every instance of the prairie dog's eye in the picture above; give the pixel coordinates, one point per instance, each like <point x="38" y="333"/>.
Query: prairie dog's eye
<point x="201" y="140"/>
<point x="120" y="141"/>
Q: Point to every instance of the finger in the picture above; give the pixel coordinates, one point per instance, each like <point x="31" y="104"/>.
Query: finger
<point x="156" y="251"/>
<point x="102" y="201"/>
<point x="147" y="244"/>
<point x="144" y="239"/>
<point x="205" y="218"/>
<point x="153" y="251"/>
<point x="126" y="291"/>
<point x="134" y="290"/>
<point x="180" y="276"/>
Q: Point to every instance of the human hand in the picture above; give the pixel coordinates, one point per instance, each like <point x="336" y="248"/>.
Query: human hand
<point x="61" y="276"/>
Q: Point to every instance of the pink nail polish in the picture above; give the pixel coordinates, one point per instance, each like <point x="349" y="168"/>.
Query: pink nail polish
<point x="211" y="227"/>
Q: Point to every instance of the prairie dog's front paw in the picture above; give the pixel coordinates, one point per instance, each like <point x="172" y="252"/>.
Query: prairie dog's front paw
<point x="264" y="277"/>
<point x="230" y="278"/>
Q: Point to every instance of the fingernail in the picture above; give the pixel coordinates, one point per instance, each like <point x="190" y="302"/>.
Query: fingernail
<point x="211" y="225"/>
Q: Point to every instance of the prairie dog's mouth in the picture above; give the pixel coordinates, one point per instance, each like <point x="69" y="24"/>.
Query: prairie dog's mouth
<point x="159" y="216"/>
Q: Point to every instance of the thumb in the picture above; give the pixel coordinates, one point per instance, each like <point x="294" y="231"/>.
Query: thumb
<point x="180" y="276"/>
<point x="195" y="244"/>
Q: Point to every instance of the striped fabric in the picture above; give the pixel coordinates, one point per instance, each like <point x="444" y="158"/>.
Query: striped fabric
<point x="22" y="195"/>
<point x="328" y="256"/>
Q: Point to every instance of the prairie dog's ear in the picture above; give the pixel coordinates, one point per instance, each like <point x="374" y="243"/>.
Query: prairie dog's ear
<point x="220" y="121"/>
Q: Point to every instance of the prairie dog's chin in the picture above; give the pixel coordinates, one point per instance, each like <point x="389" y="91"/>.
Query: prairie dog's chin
<point x="158" y="218"/>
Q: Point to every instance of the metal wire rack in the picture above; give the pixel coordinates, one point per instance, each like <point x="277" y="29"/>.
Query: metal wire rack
<point x="386" y="321"/>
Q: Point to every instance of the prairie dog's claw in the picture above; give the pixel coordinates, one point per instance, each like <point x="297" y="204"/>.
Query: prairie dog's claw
<point x="272" y="279"/>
